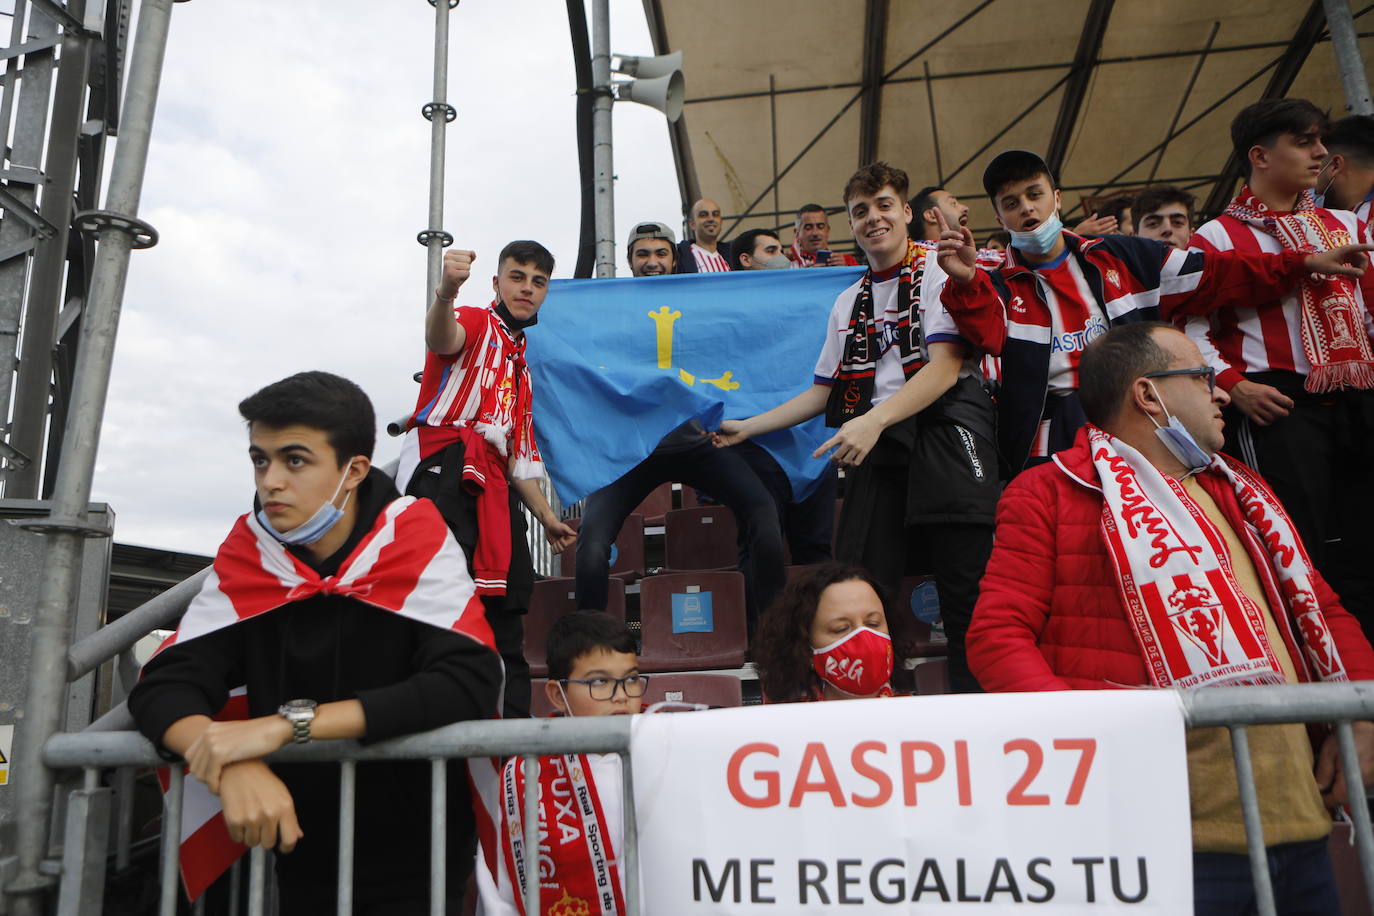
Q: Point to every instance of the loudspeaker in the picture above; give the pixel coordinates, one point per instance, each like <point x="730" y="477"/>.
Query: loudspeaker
<point x="664" y="93"/>
<point x="648" y="67"/>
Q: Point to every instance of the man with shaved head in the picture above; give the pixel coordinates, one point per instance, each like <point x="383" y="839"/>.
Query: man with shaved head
<point x="701" y="253"/>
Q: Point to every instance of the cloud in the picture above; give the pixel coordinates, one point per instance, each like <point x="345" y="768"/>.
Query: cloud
<point x="288" y="177"/>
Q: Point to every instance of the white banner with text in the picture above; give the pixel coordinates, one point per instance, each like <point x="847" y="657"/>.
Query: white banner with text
<point x="999" y="803"/>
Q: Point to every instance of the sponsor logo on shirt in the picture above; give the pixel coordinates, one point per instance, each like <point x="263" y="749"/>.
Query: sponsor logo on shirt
<point x="1073" y="341"/>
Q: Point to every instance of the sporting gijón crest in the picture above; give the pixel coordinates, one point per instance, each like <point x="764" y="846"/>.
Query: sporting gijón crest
<point x="1195" y="612"/>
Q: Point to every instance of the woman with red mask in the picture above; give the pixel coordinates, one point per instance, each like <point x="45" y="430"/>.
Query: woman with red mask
<point x="825" y="638"/>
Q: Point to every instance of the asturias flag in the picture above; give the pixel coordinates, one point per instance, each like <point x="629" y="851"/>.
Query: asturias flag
<point x="618" y="364"/>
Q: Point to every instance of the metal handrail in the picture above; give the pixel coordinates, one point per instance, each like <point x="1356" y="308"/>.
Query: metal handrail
<point x="495" y="738"/>
<point x="155" y="614"/>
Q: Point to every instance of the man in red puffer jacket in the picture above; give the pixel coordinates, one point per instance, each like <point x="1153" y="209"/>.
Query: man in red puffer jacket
<point x="1144" y="490"/>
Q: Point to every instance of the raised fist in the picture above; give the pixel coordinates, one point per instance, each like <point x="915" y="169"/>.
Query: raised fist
<point x="457" y="268"/>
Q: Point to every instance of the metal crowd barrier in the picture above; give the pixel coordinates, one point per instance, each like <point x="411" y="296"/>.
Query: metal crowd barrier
<point x="88" y="818"/>
<point x="88" y="811"/>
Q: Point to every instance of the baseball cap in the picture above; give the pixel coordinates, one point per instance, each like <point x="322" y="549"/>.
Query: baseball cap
<point x="651" y="231"/>
<point x="1012" y="165"/>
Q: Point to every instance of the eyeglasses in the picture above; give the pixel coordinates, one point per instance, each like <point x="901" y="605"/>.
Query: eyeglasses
<point x="1206" y="371"/>
<point x="603" y="688"/>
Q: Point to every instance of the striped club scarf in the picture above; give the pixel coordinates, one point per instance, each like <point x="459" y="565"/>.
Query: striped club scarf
<point x="852" y="394"/>
<point x="1333" y="336"/>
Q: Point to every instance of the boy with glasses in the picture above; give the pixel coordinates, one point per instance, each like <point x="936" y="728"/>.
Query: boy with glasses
<point x="593" y="671"/>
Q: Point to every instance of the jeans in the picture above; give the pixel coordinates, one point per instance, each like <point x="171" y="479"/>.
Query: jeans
<point x="1303" y="880"/>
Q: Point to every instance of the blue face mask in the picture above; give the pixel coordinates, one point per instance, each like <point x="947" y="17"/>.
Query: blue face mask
<point x="1319" y="197"/>
<point x="1039" y="240"/>
<point x="317" y="525"/>
<point x="1179" y="441"/>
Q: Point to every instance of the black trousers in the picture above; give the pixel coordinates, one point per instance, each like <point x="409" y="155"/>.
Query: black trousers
<point x="720" y="472"/>
<point x="1319" y="460"/>
<point x="505" y="613"/>
<point x="808" y="525"/>
<point x="893" y="532"/>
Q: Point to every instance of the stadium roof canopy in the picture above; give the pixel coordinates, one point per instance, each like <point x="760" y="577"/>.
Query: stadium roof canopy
<point x="785" y="100"/>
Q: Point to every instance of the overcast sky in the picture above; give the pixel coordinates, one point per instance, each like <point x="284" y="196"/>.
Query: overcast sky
<point x="288" y="177"/>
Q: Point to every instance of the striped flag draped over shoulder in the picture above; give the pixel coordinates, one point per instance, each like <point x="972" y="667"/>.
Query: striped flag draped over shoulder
<point x="408" y="563"/>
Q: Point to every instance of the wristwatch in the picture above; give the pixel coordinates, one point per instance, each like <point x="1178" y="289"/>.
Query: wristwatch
<point x="300" y="713"/>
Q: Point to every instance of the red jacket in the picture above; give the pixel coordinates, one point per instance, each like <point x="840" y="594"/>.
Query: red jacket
<point x="1049" y="613"/>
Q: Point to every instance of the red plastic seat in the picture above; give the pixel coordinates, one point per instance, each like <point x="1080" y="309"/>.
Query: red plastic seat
<point x="656" y="505"/>
<point x="687" y="497"/>
<point x="918" y="629"/>
<point x="714" y="640"/>
<point x="1345" y="862"/>
<point x="627" y="554"/>
<point x="700" y="538"/>
<point x="932" y="678"/>
<point x="540" y="707"/>
<point x="550" y="600"/>
<point x="695" y="687"/>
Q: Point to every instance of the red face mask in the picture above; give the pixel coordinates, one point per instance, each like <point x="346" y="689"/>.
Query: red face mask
<point x="859" y="663"/>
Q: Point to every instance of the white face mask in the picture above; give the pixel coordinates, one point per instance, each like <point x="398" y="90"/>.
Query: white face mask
<point x="1179" y="441"/>
<point x="317" y="525"/>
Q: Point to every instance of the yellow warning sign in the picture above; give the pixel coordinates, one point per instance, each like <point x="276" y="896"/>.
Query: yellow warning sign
<point x="6" y="737"/>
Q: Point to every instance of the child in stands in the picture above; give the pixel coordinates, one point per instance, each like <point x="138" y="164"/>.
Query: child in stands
<point x="593" y="671"/>
<point x="826" y="638"/>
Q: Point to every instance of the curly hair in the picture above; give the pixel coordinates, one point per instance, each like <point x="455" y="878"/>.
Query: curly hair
<point x="782" y="648"/>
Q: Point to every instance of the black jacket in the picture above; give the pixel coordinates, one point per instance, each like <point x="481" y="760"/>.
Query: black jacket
<point x="409" y="677"/>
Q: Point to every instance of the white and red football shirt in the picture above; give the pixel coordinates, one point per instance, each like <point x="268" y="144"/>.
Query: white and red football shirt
<point x="1268" y="335"/>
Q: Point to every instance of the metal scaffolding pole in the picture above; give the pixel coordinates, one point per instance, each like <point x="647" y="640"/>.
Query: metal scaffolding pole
<point x="119" y="231"/>
<point x="33" y="85"/>
<point x="434" y="238"/>
<point x="602" y="160"/>
<point x="1349" y="62"/>
<point x="33" y="384"/>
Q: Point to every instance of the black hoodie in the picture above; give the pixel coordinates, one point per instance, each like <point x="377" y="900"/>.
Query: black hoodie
<point x="409" y="676"/>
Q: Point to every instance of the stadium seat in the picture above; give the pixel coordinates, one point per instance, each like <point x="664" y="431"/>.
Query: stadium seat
<point x="551" y="599"/>
<point x="792" y="572"/>
<point x="688" y="498"/>
<point x="692" y="620"/>
<point x="627" y="553"/>
<point x="695" y="687"/>
<point x="1345" y="862"/>
<point x="540" y="707"/>
<point x="700" y="538"/>
<point x="932" y="678"/>
<point x="919" y="629"/>
<point x="656" y="505"/>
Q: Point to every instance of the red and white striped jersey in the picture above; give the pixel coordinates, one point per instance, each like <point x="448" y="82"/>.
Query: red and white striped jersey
<point x="709" y="262"/>
<point x="1268" y="335"/>
<point x="485" y="387"/>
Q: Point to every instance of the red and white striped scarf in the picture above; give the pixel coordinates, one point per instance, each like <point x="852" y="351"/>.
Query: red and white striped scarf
<point x="1333" y="336"/>
<point x="1195" y="624"/>
<point x="408" y="563"/>
<point x="575" y="865"/>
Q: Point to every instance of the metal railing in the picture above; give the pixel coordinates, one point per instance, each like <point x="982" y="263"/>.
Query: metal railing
<point x="88" y="809"/>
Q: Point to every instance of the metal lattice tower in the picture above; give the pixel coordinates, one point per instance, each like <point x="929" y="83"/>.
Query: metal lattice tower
<point x="60" y="104"/>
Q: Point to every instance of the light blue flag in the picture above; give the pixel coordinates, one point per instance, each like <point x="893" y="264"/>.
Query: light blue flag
<point x="618" y="364"/>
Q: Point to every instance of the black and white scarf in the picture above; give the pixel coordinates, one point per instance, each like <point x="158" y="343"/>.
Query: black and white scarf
<point x="852" y="394"/>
